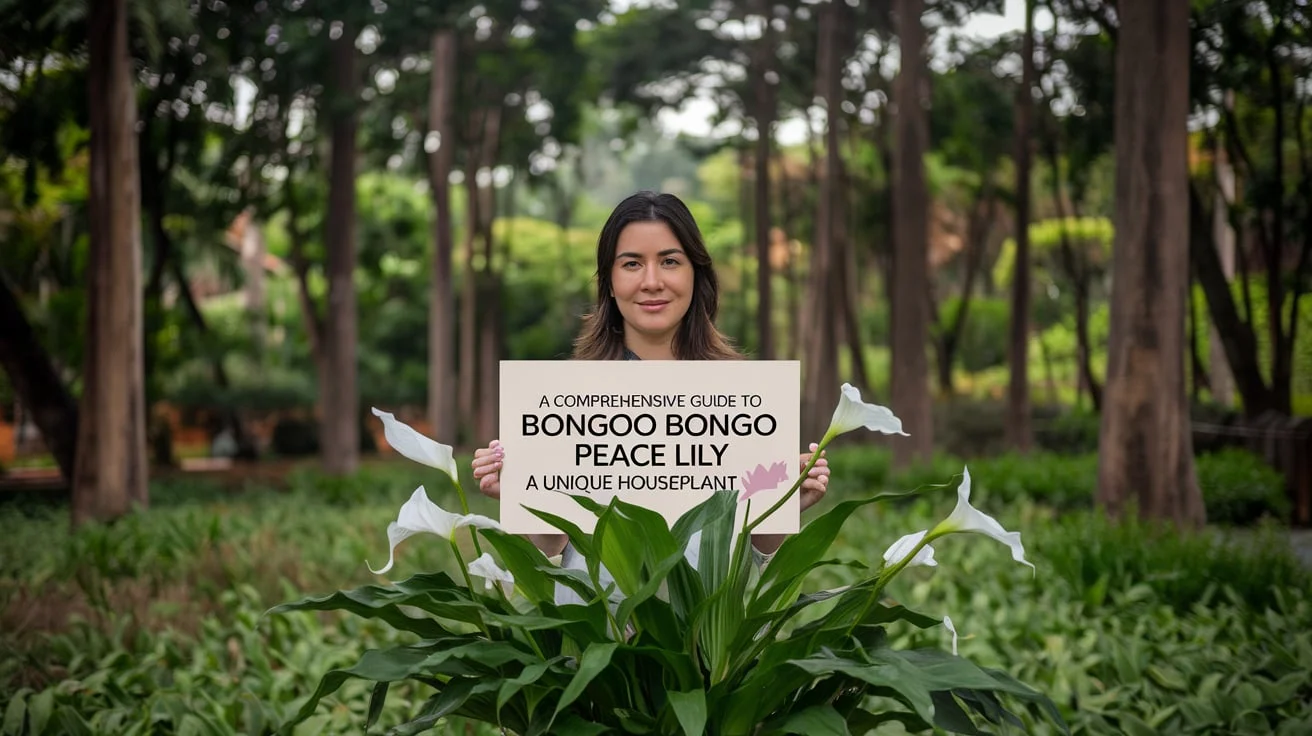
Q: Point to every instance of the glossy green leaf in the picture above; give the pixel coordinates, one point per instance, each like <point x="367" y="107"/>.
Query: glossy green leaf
<point x="522" y="559"/>
<point x="820" y="720"/>
<point x="690" y="709"/>
<point x="595" y="658"/>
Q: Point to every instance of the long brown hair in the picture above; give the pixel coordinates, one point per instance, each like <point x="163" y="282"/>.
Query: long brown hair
<point x="602" y="336"/>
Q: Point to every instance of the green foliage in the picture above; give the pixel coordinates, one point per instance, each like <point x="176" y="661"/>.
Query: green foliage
<point x="707" y="643"/>
<point x="1122" y="623"/>
<point x="1239" y="488"/>
<point x="984" y="336"/>
<point x="295" y="437"/>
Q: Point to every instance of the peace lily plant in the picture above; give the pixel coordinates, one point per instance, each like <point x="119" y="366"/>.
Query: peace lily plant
<point x="668" y="648"/>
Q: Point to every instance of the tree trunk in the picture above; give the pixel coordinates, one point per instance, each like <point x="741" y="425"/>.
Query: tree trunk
<point x="340" y="396"/>
<point x="845" y="284"/>
<point x="1020" y="435"/>
<point x="489" y="318"/>
<point x="1238" y="339"/>
<point x="441" y="309"/>
<point x="1145" y="452"/>
<point x="1078" y="273"/>
<point x="110" y="468"/>
<point x="977" y="238"/>
<point x="1222" y="382"/>
<point x="763" y="101"/>
<point x="467" y="376"/>
<point x="310" y="321"/>
<point x="37" y="383"/>
<point x="820" y="380"/>
<point x="909" y="392"/>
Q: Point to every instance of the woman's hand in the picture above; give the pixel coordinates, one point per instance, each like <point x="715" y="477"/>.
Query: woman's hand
<point x="817" y="481"/>
<point x="487" y="468"/>
<point x="812" y="490"/>
<point x="487" y="471"/>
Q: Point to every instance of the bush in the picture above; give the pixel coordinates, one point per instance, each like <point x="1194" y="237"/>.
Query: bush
<point x="984" y="338"/>
<point x="1071" y="432"/>
<point x="1239" y="488"/>
<point x="295" y="437"/>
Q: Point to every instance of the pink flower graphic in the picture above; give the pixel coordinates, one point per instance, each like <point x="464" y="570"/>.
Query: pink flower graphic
<point x="763" y="479"/>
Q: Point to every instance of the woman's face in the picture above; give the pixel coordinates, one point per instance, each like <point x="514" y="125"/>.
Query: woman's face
<point x="651" y="280"/>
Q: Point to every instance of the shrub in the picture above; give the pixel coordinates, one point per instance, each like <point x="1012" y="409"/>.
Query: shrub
<point x="1240" y="488"/>
<point x="295" y="437"/>
<point x="1071" y="432"/>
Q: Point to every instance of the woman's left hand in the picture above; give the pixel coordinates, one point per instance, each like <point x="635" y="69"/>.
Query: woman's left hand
<point x="817" y="481"/>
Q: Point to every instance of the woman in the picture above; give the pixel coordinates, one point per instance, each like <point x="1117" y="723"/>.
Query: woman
<point x="657" y="296"/>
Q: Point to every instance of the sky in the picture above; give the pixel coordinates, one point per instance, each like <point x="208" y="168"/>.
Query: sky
<point x="694" y="117"/>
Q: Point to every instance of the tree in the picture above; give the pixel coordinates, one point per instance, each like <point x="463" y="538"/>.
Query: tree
<point x="1019" y="434"/>
<point x="1145" y="445"/>
<point x="910" y="310"/>
<point x="441" y="313"/>
<point x="341" y="426"/>
<point x="110" y="473"/>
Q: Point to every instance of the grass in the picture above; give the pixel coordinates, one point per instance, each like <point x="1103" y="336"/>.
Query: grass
<point x="155" y="624"/>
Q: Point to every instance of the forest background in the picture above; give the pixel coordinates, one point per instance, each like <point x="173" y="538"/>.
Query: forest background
<point x="231" y="227"/>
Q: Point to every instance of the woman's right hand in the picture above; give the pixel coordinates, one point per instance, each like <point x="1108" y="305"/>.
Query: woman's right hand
<point x="487" y="468"/>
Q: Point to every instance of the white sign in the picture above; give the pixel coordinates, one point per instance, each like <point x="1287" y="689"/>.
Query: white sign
<point x="664" y="435"/>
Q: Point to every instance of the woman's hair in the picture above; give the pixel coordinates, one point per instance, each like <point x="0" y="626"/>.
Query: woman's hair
<point x="697" y="338"/>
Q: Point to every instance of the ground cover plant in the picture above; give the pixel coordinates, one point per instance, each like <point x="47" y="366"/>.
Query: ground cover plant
<point x="157" y="625"/>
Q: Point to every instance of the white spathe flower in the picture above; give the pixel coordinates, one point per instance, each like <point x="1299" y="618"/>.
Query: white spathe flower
<point x="405" y="440"/>
<point x="947" y="624"/>
<point x="422" y="515"/>
<point x="967" y="518"/>
<point x="853" y="413"/>
<point x="897" y="551"/>
<point x="485" y="567"/>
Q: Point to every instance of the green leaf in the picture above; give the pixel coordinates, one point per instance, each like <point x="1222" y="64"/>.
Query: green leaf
<point x="432" y="592"/>
<point x="528" y="676"/>
<point x="16" y="712"/>
<point x="690" y="709"/>
<point x="376" y="701"/>
<point x="685" y="589"/>
<point x="39" y="708"/>
<point x="716" y="549"/>
<point x="863" y="721"/>
<point x="821" y="720"/>
<point x="522" y="559"/>
<point x="71" y="722"/>
<point x="595" y="659"/>
<point x="574" y="725"/>
<point x="1133" y="725"/>
<point x="801" y="551"/>
<point x="888" y="672"/>
<point x="1248" y="696"/>
<point x="950" y="716"/>
<point x="1167" y="677"/>
<point x="1198" y="712"/>
<point x="581" y="541"/>
<point x="428" y="658"/>
<point x="576" y="580"/>
<point x="1283" y="690"/>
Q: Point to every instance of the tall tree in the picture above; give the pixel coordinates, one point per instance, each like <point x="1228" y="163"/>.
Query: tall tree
<point x="441" y="312"/>
<point x="910" y="310"/>
<point x="820" y="372"/>
<point x="764" y="82"/>
<point x="340" y="444"/>
<point x="1145" y="446"/>
<point x="1019" y="433"/>
<point x="110" y="474"/>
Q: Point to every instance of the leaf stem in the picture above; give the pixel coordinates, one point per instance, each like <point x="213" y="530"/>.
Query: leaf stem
<point x="801" y="478"/>
<point x="887" y="574"/>
<point x="469" y="584"/>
